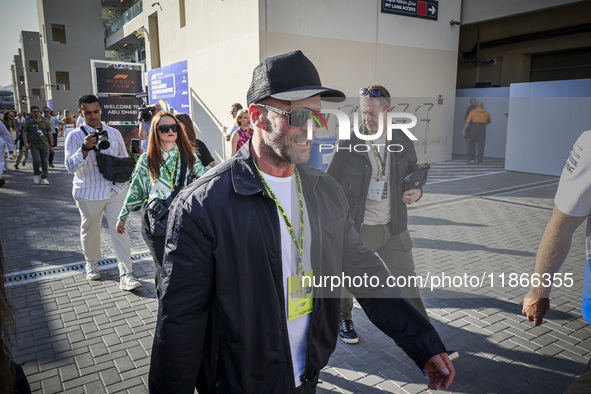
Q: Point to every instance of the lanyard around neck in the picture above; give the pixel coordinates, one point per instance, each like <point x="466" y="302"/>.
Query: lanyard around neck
<point x="298" y="241"/>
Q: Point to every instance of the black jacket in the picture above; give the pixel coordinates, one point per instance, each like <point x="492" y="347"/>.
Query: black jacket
<point x="221" y="320"/>
<point x="352" y="170"/>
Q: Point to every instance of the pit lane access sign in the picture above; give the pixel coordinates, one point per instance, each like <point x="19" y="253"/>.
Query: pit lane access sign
<point x="417" y="9"/>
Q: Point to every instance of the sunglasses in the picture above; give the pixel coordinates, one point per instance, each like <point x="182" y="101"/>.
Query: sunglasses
<point x="373" y="92"/>
<point x="165" y="128"/>
<point x="297" y="117"/>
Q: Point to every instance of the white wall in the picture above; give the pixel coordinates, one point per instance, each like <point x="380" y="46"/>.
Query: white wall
<point x="545" y="119"/>
<point x="354" y="45"/>
<point x="496" y="102"/>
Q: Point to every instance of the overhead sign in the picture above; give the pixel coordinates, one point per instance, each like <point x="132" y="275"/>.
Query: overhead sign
<point x="121" y="113"/>
<point x="418" y="9"/>
<point x="169" y="86"/>
<point x="116" y="80"/>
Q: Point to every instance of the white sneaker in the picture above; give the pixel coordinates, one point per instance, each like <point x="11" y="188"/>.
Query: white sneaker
<point x="44" y="182"/>
<point x="92" y="272"/>
<point x="36" y="179"/>
<point x="129" y="282"/>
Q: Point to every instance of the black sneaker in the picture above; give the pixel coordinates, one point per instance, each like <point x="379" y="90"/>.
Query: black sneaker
<point x="347" y="332"/>
<point x="2" y="182"/>
<point x="453" y="355"/>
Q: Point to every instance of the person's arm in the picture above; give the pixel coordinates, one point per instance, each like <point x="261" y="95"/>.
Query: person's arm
<point x="393" y="314"/>
<point x="198" y="166"/>
<point x="413" y="195"/>
<point x="77" y="148"/>
<point x="49" y="134"/>
<point x="188" y="277"/>
<point x="142" y="131"/>
<point x="138" y="192"/>
<point x="5" y="135"/>
<point x="552" y="252"/>
<point x="234" y="142"/>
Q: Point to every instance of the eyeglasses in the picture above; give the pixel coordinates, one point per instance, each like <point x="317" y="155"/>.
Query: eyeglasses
<point x="297" y="117"/>
<point x="165" y="128"/>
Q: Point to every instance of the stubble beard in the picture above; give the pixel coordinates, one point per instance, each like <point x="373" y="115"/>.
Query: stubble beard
<point x="278" y="149"/>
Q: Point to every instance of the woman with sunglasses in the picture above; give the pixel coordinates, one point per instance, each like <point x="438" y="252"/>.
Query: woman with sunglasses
<point x="243" y="133"/>
<point x="157" y="174"/>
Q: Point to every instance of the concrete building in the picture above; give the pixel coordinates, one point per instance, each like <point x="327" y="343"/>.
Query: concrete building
<point x="18" y="82"/>
<point x="33" y="70"/>
<point x="72" y="35"/>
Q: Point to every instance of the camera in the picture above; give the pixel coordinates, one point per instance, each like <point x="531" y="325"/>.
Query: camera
<point x="102" y="138"/>
<point x="146" y="113"/>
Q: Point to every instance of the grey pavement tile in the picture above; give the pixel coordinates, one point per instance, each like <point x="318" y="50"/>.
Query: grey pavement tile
<point x="68" y="320"/>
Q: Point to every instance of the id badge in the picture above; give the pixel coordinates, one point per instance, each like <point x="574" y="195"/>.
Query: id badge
<point x="376" y="190"/>
<point x="300" y="298"/>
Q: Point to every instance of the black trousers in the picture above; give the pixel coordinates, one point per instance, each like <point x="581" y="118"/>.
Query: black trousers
<point x="156" y="246"/>
<point x="477" y="138"/>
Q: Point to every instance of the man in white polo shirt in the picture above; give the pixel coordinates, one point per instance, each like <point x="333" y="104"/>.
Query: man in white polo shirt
<point x="95" y="195"/>
<point x="572" y="205"/>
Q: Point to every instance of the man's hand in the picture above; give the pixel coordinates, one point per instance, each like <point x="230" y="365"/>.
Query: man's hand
<point x="90" y="141"/>
<point x="410" y="196"/>
<point x="120" y="226"/>
<point x="464" y="133"/>
<point x="535" y="309"/>
<point x="440" y="370"/>
<point x="51" y="149"/>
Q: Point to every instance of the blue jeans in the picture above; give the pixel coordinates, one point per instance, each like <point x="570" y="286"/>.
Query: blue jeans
<point x="40" y="157"/>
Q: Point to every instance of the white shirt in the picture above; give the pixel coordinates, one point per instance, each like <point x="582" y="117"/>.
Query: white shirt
<point x="5" y="139"/>
<point x="79" y="121"/>
<point x="285" y="191"/>
<point x="88" y="181"/>
<point x="573" y="196"/>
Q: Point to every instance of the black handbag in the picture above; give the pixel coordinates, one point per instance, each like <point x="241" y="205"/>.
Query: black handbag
<point x="114" y="169"/>
<point x="157" y="209"/>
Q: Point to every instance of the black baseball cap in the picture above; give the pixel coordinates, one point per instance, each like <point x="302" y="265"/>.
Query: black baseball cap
<point x="290" y="77"/>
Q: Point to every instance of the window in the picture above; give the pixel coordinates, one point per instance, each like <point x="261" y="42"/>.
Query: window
<point x="182" y="13"/>
<point x="33" y="66"/>
<point x="62" y="78"/>
<point x="21" y="79"/>
<point x="58" y="33"/>
<point x="36" y="93"/>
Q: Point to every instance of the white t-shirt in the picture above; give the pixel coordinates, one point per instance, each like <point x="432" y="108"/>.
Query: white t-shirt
<point x="285" y="191"/>
<point x="573" y="197"/>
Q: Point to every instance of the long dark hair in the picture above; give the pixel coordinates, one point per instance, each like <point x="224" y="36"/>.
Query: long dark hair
<point x="155" y="157"/>
<point x="189" y="129"/>
<point x="6" y="329"/>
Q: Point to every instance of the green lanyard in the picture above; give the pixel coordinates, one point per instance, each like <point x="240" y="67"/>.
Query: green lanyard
<point x="298" y="241"/>
<point x="170" y="176"/>
<point x="381" y="164"/>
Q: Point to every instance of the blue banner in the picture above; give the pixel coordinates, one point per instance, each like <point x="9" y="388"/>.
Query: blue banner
<point x="169" y="86"/>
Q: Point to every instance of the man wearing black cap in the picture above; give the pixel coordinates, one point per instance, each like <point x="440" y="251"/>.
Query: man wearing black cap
<point x="235" y="313"/>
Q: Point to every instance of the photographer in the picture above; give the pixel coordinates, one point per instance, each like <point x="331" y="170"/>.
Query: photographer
<point x="95" y="195"/>
<point x="145" y="125"/>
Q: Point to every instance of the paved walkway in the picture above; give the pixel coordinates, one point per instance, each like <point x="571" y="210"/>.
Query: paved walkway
<point x="89" y="337"/>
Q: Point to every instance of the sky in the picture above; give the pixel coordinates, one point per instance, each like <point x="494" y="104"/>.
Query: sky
<point x="17" y="15"/>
